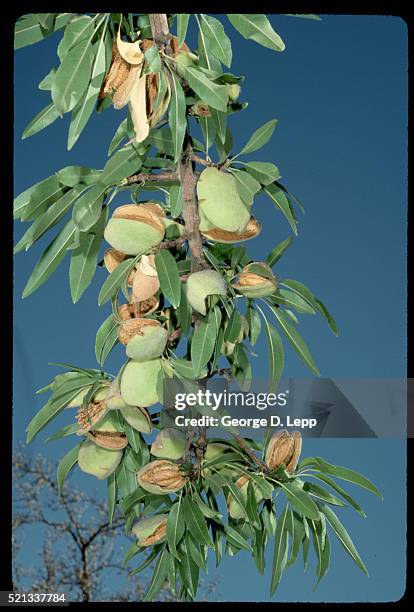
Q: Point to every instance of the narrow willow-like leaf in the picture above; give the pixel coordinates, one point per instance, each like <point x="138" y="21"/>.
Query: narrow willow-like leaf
<point x="331" y="482"/>
<point x="120" y="134"/>
<point x="111" y="496"/>
<point x="106" y="338"/>
<point x="264" y="172"/>
<point x="114" y="281"/>
<point x="260" y="137"/>
<point x="341" y="472"/>
<point x="196" y="522"/>
<point x="123" y="163"/>
<point x="83" y="264"/>
<point x="84" y="108"/>
<point x="275" y="352"/>
<point x="295" y="340"/>
<point x="158" y="577"/>
<point x="182" y="26"/>
<point x="343" y="536"/>
<point x="169" y="276"/>
<point x="213" y="94"/>
<point x="236" y="539"/>
<point x="72" y="77"/>
<point x="216" y="38"/>
<point x="43" y="119"/>
<point x="257" y="27"/>
<point x="176" y="115"/>
<point x="276" y="253"/>
<point x="280" y="550"/>
<point x="175" y="526"/>
<point x="202" y="344"/>
<point x="301" y="500"/>
<point x="50" y="259"/>
<point x="281" y="202"/>
<point x="65" y="465"/>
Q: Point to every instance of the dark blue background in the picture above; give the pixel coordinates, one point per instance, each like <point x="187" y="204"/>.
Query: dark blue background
<point x="340" y="94"/>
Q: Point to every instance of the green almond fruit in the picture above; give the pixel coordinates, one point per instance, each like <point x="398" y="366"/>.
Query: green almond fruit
<point x="220" y="202"/>
<point x="161" y="477"/>
<point x="151" y="530"/>
<point x="98" y="461"/>
<point x="200" y="285"/>
<point x="148" y="344"/>
<point x="141" y="382"/>
<point x="78" y="400"/>
<point x="131" y="237"/>
<point x="170" y="443"/>
<point x="137" y="417"/>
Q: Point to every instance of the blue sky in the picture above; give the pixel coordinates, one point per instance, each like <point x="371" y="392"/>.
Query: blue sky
<point x="339" y="92"/>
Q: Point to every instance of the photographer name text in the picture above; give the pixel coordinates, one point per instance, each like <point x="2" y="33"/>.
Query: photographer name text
<point x="254" y="423"/>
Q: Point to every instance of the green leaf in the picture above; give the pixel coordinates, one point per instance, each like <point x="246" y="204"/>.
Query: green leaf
<point x="321" y="493"/>
<point x="176" y="115"/>
<point x="68" y="430"/>
<point x="123" y="163"/>
<point x="85" y="106"/>
<point x="255" y="325"/>
<point x="276" y="353"/>
<point x="153" y="60"/>
<point x="111" y="496"/>
<point x="158" y="577"/>
<point x="195" y="522"/>
<point x="212" y="94"/>
<point x="83" y="263"/>
<point x="50" y="259"/>
<point x="236" y="539"/>
<point x="106" y="338"/>
<point x="280" y="550"/>
<point x="175" y="526"/>
<point x="45" y="117"/>
<point x="281" y="202"/>
<point x="216" y="38"/>
<point x="260" y="137"/>
<point x="27" y="31"/>
<point x="206" y="58"/>
<point x="120" y="134"/>
<point x="233" y="327"/>
<point x="194" y="551"/>
<point x="188" y="570"/>
<point x="343" y="473"/>
<point x="185" y="369"/>
<point x="264" y="172"/>
<point x="325" y="313"/>
<point x="176" y="200"/>
<point x="343" y="536"/>
<point x="203" y="342"/>
<point x="114" y="281"/>
<point x="295" y="340"/>
<point x="37" y="198"/>
<point x="73" y="175"/>
<point x="301" y="500"/>
<point x="257" y="27"/>
<point x="182" y="26"/>
<point x="276" y="253"/>
<point x="50" y="410"/>
<point x="169" y="276"/>
<point x="304" y="16"/>
<point x="80" y="28"/>
<point x="298" y="535"/>
<point x="88" y="208"/>
<point x="48" y="219"/>
<point x="72" y="77"/>
<point x="341" y="492"/>
<point x="293" y="300"/>
<point x="162" y="140"/>
<point x="65" y="466"/>
<point x="220" y="121"/>
<point x="247" y="186"/>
